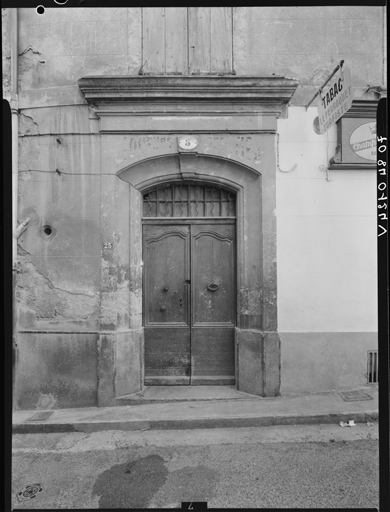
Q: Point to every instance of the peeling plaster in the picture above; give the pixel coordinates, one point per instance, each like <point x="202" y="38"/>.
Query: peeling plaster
<point x="29" y="48"/>
<point x="27" y="125"/>
<point x="37" y="293"/>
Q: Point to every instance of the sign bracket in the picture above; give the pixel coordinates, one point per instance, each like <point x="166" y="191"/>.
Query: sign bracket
<point x="320" y="89"/>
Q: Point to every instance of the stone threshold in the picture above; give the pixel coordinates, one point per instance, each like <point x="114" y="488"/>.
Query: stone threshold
<point x="161" y="394"/>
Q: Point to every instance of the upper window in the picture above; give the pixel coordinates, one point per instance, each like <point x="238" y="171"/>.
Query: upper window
<point x="188" y="200"/>
<point x="187" y="40"/>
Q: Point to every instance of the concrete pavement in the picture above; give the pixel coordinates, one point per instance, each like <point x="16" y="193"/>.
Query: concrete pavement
<point x="158" y="409"/>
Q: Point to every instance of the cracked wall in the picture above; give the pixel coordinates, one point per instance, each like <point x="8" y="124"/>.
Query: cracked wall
<point x="58" y="285"/>
<point x="38" y="297"/>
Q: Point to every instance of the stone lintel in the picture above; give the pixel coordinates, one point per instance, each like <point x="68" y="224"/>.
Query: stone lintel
<point x="99" y="89"/>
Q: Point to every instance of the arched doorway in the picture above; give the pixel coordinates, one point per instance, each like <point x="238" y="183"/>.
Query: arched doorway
<point x="189" y="291"/>
<point x="256" y="344"/>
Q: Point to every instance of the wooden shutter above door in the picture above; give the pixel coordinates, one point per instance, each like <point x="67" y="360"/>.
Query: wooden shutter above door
<point x="210" y="40"/>
<point x="187" y="40"/>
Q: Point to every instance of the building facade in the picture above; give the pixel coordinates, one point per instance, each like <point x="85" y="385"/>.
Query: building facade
<point x="188" y="225"/>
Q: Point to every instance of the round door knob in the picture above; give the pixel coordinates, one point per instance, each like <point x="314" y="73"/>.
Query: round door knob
<point x="163" y="308"/>
<point x="166" y="289"/>
<point x="212" y="287"/>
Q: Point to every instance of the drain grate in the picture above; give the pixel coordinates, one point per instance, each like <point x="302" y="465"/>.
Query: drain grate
<point x="30" y="491"/>
<point x="41" y="416"/>
<point x="372" y="366"/>
<point x="354" y="396"/>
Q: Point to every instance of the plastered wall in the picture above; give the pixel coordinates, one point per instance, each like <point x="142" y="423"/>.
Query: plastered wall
<point x="326" y="234"/>
<point x="327" y="261"/>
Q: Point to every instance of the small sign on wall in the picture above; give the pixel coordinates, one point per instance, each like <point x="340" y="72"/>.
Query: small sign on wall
<point x="362" y="141"/>
<point x="356" y="138"/>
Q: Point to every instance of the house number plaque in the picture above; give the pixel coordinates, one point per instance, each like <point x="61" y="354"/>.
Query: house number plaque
<point x="187" y="142"/>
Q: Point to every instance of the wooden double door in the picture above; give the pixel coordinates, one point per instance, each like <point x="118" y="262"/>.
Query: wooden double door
<point x="189" y="301"/>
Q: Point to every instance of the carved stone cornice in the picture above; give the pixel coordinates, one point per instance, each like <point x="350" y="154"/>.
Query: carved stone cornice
<point x="108" y="89"/>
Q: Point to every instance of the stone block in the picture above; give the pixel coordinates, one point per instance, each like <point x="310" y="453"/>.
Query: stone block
<point x="129" y="356"/>
<point x="56" y="371"/>
<point x="106" y="370"/>
<point x="271" y="357"/>
<point x="250" y="370"/>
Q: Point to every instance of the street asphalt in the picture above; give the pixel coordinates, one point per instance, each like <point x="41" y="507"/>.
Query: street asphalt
<point x="309" y="466"/>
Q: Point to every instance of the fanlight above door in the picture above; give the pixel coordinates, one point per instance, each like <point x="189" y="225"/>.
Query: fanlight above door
<point x="189" y="200"/>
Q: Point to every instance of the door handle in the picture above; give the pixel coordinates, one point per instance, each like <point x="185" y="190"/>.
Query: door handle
<point x="163" y="308"/>
<point x="213" y="287"/>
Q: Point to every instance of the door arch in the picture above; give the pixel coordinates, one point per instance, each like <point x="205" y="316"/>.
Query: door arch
<point x="257" y="343"/>
<point x="189" y="292"/>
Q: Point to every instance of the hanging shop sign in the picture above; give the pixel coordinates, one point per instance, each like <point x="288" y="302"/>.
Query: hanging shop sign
<point x="335" y="99"/>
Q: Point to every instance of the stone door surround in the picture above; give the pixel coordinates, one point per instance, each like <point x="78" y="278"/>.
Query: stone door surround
<point x="233" y="120"/>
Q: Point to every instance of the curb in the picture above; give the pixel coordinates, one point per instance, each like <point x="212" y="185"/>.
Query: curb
<point x="190" y="423"/>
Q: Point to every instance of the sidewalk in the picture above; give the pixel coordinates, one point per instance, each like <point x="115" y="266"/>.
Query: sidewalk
<point x="194" y="413"/>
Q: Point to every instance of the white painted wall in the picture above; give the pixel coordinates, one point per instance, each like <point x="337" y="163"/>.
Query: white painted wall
<point x="326" y="235"/>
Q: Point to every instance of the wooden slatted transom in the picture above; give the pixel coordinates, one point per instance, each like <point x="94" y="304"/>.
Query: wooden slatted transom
<point x="188" y="200"/>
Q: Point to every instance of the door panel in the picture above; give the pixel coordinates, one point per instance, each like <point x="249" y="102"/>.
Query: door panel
<point x="166" y="258"/>
<point x="213" y="300"/>
<point x="212" y="274"/>
<point x="166" y="304"/>
<point x="167" y="356"/>
<point x="212" y="354"/>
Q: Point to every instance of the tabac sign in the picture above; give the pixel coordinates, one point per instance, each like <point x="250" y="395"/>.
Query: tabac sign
<point x="335" y="99"/>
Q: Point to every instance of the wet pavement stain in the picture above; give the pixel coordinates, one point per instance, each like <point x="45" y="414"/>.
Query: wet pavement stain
<point x="131" y="485"/>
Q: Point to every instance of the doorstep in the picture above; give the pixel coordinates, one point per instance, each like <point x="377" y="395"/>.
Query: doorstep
<point x="162" y="394"/>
